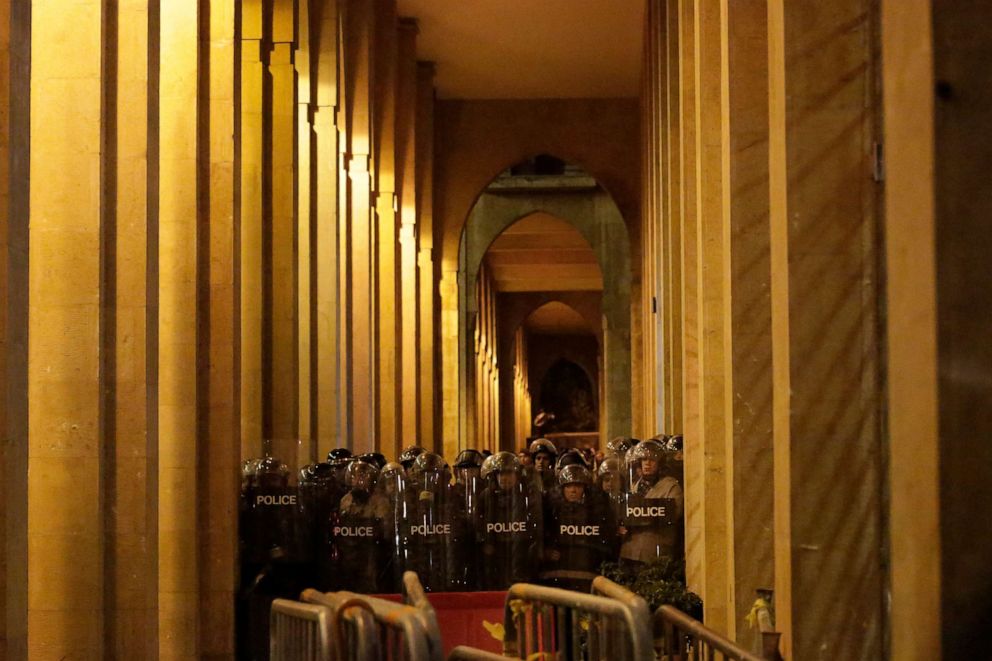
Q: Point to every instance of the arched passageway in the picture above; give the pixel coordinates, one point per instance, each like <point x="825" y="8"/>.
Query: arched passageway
<point x="569" y="200"/>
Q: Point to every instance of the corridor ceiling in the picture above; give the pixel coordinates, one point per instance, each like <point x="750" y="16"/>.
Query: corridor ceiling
<point x="508" y="49"/>
<point x="541" y="252"/>
<point x="556" y="318"/>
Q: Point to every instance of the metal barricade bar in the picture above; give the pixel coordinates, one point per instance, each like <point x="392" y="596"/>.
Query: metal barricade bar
<point x="299" y="632"/>
<point x="558" y="621"/>
<point x="682" y="633"/>
<point x="462" y="653"/>
<point x="403" y="620"/>
<point x="413" y="594"/>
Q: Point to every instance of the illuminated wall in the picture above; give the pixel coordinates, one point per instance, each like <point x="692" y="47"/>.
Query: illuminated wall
<point x="760" y="252"/>
<point x="213" y="213"/>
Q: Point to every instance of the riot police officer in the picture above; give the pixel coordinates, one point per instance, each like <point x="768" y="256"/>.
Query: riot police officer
<point x="437" y="529"/>
<point x="652" y="506"/>
<point x="275" y="552"/>
<point x="544" y="453"/>
<point x="468" y="479"/>
<point x="360" y="550"/>
<point x="320" y="495"/>
<point x="393" y="485"/>
<point x="510" y="524"/>
<point x="578" y="532"/>
<point x="619" y="446"/>
<point x="409" y="455"/>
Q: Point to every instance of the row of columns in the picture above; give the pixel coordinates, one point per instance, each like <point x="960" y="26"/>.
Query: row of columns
<point x="760" y="252"/>
<point x="217" y="242"/>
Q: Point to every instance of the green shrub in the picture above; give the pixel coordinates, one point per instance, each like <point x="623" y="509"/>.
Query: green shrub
<point x="660" y="582"/>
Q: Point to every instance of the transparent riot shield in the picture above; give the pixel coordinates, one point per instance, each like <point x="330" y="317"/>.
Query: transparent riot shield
<point x="579" y="531"/>
<point x="652" y="507"/>
<point x="276" y="553"/>
<point x="320" y="496"/>
<point x="394" y="486"/>
<point x="438" y="532"/>
<point x="360" y="550"/>
<point x="509" y="524"/>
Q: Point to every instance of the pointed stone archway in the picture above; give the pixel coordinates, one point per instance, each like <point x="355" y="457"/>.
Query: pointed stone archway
<point x="598" y="219"/>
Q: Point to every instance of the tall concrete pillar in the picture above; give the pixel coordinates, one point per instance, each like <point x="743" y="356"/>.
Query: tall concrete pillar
<point x="253" y="77"/>
<point x="428" y="278"/>
<point x="129" y="340"/>
<point x="409" y="303"/>
<point x="64" y="375"/>
<point x="825" y="338"/>
<point x="358" y="277"/>
<point x="328" y="403"/>
<point x="280" y="334"/>
<point x="387" y="313"/>
<point x="178" y="252"/>
<point x="218" y="480"/>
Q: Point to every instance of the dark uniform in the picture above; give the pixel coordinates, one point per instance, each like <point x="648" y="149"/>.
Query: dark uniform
<point x="544" y="454"/>
<point x="578" y="531"/>
<point x="509" y="525"/>
<point x="438" y="531"/>
<point x="275" y="550"/>
<point x="320" y="496"/>
<point x="359" y="547"/>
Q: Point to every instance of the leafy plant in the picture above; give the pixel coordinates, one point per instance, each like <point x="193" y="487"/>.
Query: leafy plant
<point x="660" y="582"/>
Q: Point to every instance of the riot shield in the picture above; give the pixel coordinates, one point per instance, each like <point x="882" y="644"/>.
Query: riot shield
<point x="395" y="488"/>
<point x="320" y="495"/>
<point x="652" y="507"/>
<point x="276" y="552"/>
<point x="440" y="538"/>
<point x="360" y="550"/>
<point x="509" y="525"/>
<point x="579" y="531"/>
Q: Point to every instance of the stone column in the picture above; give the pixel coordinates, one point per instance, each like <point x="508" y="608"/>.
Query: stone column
<point x="220" y="444"/>
<point x="387" y="313"/>
<point x="428" y="278"/>
<point x="64" y="440"/>
<point x="825" y="343"/>
<point x="410" y="302"/>
<point x="280" y="350"/>
<point x="329" y="379"/>
<point x="254" y="57"/>
<point x="179" y="191"/>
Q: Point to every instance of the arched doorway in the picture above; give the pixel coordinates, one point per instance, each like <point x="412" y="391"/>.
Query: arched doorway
<point x="541" y="190"/>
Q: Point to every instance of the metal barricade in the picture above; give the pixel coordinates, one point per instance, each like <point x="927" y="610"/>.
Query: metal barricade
<point x="462" y="653"/>
<point x="686" y="639"/>
<point x="571" y="625"/>
<point x="299" y="632"/>
<point x="413" y="594"/>
<point x="397" y="631"/>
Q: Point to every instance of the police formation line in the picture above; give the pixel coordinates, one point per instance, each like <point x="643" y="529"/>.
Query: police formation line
<point x="357" y="523"/>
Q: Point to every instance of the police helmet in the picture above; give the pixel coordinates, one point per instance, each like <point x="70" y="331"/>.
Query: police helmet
<point x="468" y="459"/>
<point x="428" y="462"/>
<point x="392" y="470"/>
<point x="360" y="469"/>
<point x="338" y="453"/>
<point x="249" y="469"/>
<point x="374" y="458"/>
<point x="543" y="445"/>
<point x="570" y="458"/>
<point x="575" y="474"/>
<point x="674" y="443"/>
<point x="646" y="450"/>
<point x="317" y="472"/>
<point x="408" y="455"/>
<point x="499" y="462"/>
<point x="270" y="472"/>
<point x="620" y="445"/>
<point x="610" y="466"/>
